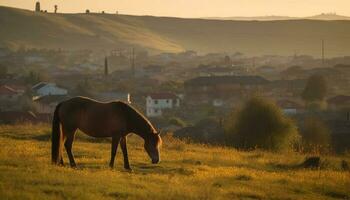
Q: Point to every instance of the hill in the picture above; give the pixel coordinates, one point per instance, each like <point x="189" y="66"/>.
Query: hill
<point x="323" y="16"/>
<point x="187" y="171"/>
<point x="165" y="34"/>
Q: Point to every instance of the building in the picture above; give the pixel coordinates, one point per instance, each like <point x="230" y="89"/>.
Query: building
<point x="339" y="102"/>
<point x="217" y="90"/>
<point x="47" y="104"/>
<point x="44" y="88"/>
<point x="290" y="107"/>
<point x="156" y="103"/>
<point x="8" y="94"/>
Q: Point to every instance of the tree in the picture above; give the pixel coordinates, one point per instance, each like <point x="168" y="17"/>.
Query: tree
<point x="35" y="77"/>
<point x="316" y="89"/>
<point x="261" y="124"/>
<point x="316" y="136"/>
<point x="84" y="88"/>
<point x="37" y="6"/>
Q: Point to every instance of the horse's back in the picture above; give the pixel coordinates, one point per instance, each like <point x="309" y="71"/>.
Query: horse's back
<point x="95" y="118"/>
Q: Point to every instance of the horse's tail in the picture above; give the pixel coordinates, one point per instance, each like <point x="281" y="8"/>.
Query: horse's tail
<point x="56" y="137"/>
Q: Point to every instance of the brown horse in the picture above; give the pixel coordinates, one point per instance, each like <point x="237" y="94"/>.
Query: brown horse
<point x="97" y="119"/>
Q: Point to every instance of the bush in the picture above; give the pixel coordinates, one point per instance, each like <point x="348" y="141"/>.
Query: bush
<point x="316" y="136"/>
<point x="315" y="89"/>
<point x="261" y="124"/>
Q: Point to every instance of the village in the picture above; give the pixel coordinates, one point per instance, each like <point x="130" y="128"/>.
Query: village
<point x="175" y="90"/>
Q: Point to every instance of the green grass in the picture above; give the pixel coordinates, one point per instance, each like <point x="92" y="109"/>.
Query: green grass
<point x="187" y="171"/>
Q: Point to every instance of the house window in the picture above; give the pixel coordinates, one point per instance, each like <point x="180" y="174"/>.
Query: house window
<point x="167" y="101"/>
<point x="155" y="101"/>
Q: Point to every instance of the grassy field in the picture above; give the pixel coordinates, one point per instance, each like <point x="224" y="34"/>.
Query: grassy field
<point x="187" y="171"/>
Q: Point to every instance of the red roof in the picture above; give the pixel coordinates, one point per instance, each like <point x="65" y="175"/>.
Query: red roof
<point x="18" y="87"/>
<point x="289" y="104"/>
<point x="6" y="90"/>
<point x="162" y="96"/>
<point x="340" y="99"/>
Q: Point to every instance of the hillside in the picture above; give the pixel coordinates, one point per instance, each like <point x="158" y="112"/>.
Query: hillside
<point x="323" y="16"/>
<point x="187" y="171"/>
<point x="164" y="34"/>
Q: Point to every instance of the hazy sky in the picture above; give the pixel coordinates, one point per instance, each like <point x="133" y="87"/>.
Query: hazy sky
<point x="194" y="8"/>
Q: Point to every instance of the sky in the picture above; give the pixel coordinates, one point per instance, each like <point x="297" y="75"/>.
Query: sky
<point x="193" y="8"/>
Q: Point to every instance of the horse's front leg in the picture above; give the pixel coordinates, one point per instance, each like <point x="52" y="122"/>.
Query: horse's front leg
<point x="115" y="142"/>
<point x="125" y="153"/>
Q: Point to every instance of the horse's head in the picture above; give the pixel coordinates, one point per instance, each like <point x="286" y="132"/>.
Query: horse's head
<point x="152" y="146"/>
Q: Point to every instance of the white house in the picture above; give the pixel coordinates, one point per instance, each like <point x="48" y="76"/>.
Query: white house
<point x="44" y="88"/>
<point x="47" y="104"/>
<point x="157" y="102"/>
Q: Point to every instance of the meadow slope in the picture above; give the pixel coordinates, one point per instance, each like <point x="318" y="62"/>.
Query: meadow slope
<point x="187" y="171"/>
<point x="166" y="34"/>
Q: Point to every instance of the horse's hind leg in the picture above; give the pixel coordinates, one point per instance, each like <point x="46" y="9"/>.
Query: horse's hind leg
<point x="68" y="145"/>
<point x="115" y="142"/>
<point x="125" y="153"/>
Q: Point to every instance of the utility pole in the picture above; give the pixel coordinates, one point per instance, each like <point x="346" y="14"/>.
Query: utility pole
<point x="106" y="66"/>
<point x="133" y="61"/>
<point x="322" y="51"/>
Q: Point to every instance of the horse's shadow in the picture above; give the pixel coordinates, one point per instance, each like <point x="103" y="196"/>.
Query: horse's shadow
<point x="137" y="168"/>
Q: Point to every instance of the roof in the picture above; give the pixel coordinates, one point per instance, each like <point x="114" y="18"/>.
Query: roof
<point x="39" y="85"/>
<point x="214" y="80"/>
<point x="48" y="99"/>
<point x="6" y="90"/>
<point x="17" y="87"/>
<point x="288" y="104"/>
<point x="297" y="83"/>
<point x="340" y="99"/>
<point x="162" y="96"/>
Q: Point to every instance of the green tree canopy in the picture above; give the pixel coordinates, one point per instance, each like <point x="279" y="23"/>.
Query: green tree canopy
<point x="261" y="124"/>
<point x="316" y="89"/>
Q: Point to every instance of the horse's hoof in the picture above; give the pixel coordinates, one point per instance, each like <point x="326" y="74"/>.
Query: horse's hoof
<point x="129" y="170"/>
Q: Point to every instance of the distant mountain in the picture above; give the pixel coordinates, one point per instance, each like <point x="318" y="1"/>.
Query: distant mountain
<point x="323" y="16"/>
<point x="258" y="18"/>
<point x="328" y="16"/>
<point x="103" y="32"/>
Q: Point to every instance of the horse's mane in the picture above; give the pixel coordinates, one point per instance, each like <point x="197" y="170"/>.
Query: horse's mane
<point x="134" y="114"/>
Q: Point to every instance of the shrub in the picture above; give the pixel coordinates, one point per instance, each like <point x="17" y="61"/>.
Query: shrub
<point x="315" y="136"/>
<point x="315" y="89"/>
<point x="261" y="124"/>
